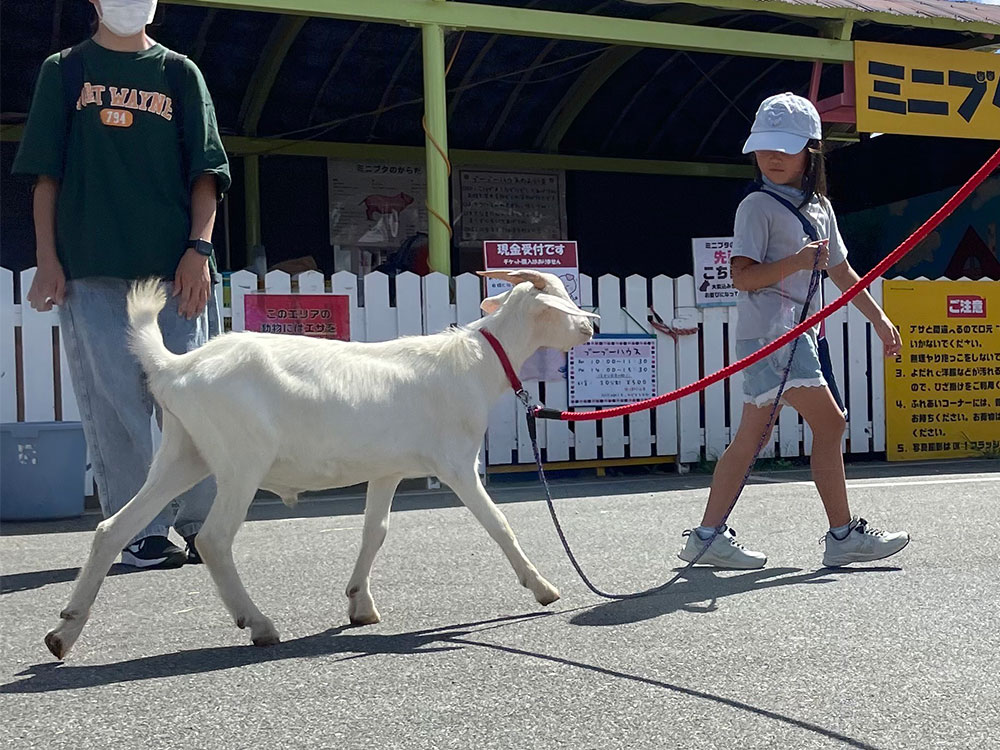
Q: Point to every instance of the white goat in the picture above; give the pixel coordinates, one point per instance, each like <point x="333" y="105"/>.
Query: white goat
<point x="289" y="414"/>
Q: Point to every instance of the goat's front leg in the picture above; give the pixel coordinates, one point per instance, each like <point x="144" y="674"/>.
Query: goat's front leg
<point x="471" y="492"/>
<point x="361" y="609"/>
<point x="176" y="468"/>
<point x="215" y="545"/>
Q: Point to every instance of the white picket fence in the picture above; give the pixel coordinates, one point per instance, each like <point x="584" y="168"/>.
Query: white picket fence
<point x="698" y="426"/>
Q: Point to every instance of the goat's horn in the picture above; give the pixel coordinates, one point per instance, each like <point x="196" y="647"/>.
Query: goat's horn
<point x="517" y="276"/>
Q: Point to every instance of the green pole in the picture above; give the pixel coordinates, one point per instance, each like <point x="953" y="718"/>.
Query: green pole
<point x="251" y="184"/>
<point x="436" y="149"/>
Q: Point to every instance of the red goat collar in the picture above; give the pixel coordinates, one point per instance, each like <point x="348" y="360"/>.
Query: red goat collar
<point x="515" y="382"/>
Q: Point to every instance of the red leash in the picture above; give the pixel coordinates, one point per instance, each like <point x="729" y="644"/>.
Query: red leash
<point x="926" y="228"/>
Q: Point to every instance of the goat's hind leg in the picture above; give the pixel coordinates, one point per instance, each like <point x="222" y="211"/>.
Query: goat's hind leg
<point x="176" y="468"/>
<point x="215" y="545"/>
<point x="471" y="492"/>
<point x="378" y="500"/>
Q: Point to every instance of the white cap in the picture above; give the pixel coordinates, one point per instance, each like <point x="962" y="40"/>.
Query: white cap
<point x="784" y="122"/>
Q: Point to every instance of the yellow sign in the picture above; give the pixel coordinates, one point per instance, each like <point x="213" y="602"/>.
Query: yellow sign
<point x="926" y="91"/>
<point x="942" y="393"/>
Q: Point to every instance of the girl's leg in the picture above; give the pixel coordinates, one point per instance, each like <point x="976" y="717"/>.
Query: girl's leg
<point x="732" y="466"/>
<point x="818" y="407"/>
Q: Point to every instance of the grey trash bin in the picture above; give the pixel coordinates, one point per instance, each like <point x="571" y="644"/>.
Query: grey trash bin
<point x="43" y="467"/>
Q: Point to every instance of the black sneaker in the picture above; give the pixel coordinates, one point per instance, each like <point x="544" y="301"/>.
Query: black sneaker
<point x="153" y="552"/>
<point x="193" y="558"/>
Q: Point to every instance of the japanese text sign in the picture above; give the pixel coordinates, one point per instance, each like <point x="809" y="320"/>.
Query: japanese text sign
<point x="712" y="281"/>
<point x="943" y="390"/>
<point x="926" y="91"/>
<point x="325" y="316"/>
<point x="557" y="258"/>
<point x="611" y="370"/>
<point x="494" y="203"/>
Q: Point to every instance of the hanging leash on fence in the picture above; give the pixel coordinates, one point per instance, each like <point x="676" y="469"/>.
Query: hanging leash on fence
<point x="534" y="412"/>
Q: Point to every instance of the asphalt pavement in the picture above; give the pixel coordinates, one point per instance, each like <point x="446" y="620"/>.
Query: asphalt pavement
<point x="898" y="654"/>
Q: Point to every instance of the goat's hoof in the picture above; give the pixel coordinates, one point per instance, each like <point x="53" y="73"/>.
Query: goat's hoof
<point x="267" y="639"/>
<point x="55" y="644"/>
<point x="546" y="594"/>
<point x="263" y="632"/>
<point x="366" y="618"/>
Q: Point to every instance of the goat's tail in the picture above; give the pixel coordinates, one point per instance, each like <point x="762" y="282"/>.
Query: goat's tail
<point x="145" y="300"/>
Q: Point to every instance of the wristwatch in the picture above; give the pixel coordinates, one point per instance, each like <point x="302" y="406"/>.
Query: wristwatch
<point x="203" y="247"/>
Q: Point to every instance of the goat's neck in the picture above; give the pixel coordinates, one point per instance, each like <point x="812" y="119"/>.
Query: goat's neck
<point x="518" y="343"/>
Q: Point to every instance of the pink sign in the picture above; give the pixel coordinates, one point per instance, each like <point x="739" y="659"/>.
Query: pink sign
<point x="558" y="258"/>
<point x="529" y="254"/>
<point x="325" y="316"/>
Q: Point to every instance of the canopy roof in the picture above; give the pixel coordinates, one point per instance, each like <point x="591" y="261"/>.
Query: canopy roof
<point x="342" y="79"/>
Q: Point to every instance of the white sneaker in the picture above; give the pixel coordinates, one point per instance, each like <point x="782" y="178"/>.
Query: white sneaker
<point x="862" y="544"/>
<point x="725" y="552"/>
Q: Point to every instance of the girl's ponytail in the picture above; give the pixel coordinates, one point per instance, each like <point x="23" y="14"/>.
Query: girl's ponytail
<point x="814" y="179"/>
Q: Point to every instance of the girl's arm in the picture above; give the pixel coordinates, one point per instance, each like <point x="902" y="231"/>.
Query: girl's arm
<point x="749" y="275"/>
<point x="845" y="277"/>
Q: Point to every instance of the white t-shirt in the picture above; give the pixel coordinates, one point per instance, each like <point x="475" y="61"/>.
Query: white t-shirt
<point x="766" y="231"/>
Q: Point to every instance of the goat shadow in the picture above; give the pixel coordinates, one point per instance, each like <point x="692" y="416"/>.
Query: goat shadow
<point x="699" y="589"/>
<point x="44" y="678"/>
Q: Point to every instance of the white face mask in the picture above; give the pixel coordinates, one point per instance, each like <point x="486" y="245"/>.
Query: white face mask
<point x="126" y="17"/>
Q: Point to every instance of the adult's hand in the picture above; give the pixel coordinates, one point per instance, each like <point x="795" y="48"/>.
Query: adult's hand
<point x="193" y="283"/>
<point x="48" y="287"/>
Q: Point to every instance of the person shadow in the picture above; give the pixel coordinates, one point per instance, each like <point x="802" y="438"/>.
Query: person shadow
<point x="14" y="582"/>
<point x="699" y="589"/>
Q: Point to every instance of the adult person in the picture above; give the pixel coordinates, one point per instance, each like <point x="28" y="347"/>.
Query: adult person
<point x="123" y="144"/>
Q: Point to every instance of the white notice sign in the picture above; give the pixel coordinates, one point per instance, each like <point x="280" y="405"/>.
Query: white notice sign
<point x="612" y="370"/>
<point x="712" y="281"/>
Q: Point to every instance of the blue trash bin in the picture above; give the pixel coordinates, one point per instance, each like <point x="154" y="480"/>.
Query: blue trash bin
<point x="43" y="468"/>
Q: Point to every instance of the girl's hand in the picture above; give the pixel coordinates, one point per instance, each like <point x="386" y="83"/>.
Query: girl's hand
<point x="891" y="342"/>
<point x="807" y="255"/>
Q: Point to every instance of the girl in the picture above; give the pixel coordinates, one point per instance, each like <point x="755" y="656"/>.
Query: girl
<point x="771" y="265"/>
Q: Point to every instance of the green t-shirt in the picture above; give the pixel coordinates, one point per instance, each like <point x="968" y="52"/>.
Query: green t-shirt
<point x="125" y="197"/>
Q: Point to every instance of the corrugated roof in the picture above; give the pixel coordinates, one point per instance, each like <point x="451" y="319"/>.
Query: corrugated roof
<point x="965" y="12"/>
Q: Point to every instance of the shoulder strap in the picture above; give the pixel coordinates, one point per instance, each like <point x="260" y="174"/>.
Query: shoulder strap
<point x="810" y="231"/>
<point x="71" y="75"/>
<point x="173" y="67"/>
<point x="71" y="72"/>
<point x="807" y="225"/>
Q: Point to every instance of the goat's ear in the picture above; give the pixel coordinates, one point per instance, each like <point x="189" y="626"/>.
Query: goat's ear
<point x="563" y="305"/>
<point x="491" y="304"/>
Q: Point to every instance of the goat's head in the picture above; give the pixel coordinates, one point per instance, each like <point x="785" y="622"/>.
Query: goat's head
<point x="555" y="318"/>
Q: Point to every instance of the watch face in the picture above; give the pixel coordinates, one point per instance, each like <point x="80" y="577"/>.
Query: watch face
<point x="202" y="246"/>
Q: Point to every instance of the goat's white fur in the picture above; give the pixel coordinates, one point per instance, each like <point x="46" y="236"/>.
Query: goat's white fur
<point x="289" y="413"/>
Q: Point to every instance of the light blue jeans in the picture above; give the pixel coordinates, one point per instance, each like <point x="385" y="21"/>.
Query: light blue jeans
<point x="115" y="406"/>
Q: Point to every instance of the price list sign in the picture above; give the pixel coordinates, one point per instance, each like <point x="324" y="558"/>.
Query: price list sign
<point x="612" y="370"/>
<point x="943" y="390"/>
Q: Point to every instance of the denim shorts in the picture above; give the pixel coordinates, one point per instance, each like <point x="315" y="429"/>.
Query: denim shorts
<point x="762" y="379"/>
